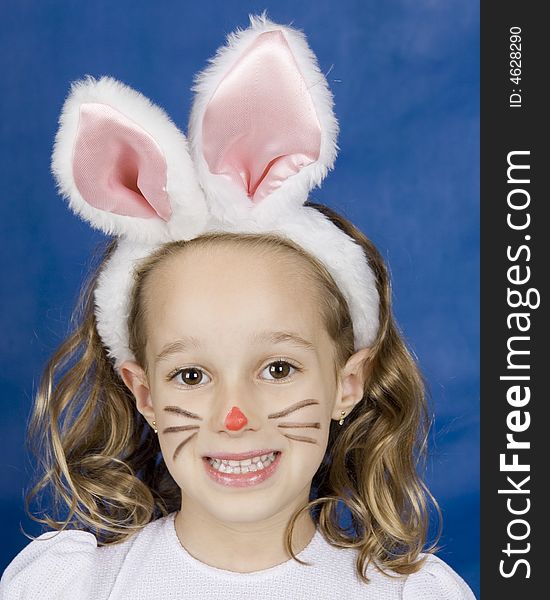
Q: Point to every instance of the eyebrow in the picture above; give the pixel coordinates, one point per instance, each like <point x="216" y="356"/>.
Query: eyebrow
<point x="274" y="337"/>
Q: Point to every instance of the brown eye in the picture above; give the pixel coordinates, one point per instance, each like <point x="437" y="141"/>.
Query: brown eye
<point x="280" y="369"/>
<point x="191" y="376"/>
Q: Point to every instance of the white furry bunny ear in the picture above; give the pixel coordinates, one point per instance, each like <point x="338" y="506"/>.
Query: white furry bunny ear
<point x="124" y="166"/>
<point x="262" y="129"/>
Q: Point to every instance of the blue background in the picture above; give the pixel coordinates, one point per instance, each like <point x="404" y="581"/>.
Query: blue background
<point x="405" y="76"/>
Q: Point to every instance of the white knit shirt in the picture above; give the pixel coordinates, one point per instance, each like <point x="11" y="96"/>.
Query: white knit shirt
<point x="153" y="564"/>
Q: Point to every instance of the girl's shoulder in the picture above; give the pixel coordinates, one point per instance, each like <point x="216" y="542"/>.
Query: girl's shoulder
<point x="436" y="580"/>
<point x="53" y="563"/>
<point x="61" y="565"/>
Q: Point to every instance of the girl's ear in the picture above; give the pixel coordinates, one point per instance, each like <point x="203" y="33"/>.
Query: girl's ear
<point x="136" y="381"/>
<point x="353" y="379"/>
<point x="123" y="165"/>
<point x="262" y="129"/>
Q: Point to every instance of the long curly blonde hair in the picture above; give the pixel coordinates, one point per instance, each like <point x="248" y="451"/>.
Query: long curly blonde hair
<point x="103" y="465"/>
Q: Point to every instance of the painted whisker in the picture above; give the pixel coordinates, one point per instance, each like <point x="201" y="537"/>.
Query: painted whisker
<point x="313" y="425"/>
<point x="181" y="411"/>
<point x="290" y="409"/>
<point x="180" y="428"/>
<point x="300" y="438"/>
<point x="180" y="446"/>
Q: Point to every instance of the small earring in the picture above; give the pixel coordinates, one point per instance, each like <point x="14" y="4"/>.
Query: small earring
<point x="154" y="424"/>
<point x="341" y="421"/>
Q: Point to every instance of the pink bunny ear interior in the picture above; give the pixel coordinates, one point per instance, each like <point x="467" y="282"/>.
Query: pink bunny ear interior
<point x="117" y="166"/>
<point x="260" y="126"/>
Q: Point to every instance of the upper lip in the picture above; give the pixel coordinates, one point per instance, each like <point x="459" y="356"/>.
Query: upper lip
<point x="240" y="455"/>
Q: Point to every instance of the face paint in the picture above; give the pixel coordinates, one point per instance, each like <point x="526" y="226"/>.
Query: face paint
<point x="185" y="413"/>
<point x="248" y="471"/>
<point x="235" y="419"/>
<point x="299" y="425"/>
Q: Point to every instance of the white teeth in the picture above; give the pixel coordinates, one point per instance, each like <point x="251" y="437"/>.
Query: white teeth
<point x="242" y="466"/>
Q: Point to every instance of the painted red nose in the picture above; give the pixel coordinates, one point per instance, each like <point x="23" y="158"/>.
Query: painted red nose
<point x="235" y="419"/>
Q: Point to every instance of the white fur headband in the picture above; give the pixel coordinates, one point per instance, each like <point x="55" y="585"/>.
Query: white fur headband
<point x="262" y="134"/>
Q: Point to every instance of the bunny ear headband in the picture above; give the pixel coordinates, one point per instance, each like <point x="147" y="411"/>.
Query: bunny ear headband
<point x="262" y="134"/>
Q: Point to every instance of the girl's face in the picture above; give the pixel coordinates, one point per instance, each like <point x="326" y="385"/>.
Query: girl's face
<point x="239" y="363"/>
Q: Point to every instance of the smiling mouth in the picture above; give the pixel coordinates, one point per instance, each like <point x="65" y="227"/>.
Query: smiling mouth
<point x="247" y="465"/>
<point x="241" y="455"/>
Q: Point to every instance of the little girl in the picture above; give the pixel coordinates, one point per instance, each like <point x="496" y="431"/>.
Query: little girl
<point x="236" y="378"/>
